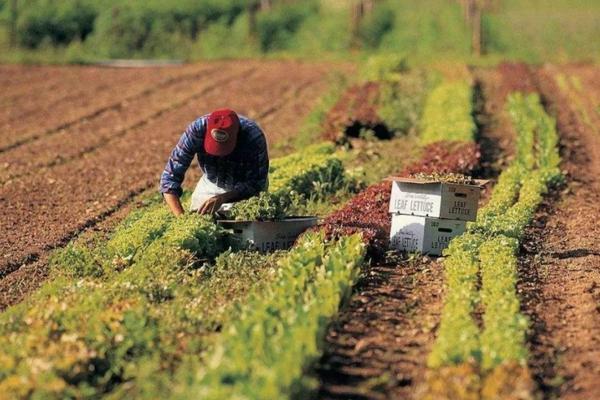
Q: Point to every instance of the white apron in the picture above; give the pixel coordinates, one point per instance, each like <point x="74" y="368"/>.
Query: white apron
<point x="205" y="189"/>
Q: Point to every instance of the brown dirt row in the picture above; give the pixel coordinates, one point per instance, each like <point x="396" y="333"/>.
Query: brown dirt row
<point x="377" y="348"/>
<point x="61" y="94"/>
<point x="91" y="134"/>
<point x="49" y="91"/>
<point x="560" y="262"/>
<point x="497" y="138"/>
<point x="29" y="277"/>
<point x="16" y="79"/>
<point x="76" y="109"/>
<point x="51" y="206"/>
<point x="67" y="81"/>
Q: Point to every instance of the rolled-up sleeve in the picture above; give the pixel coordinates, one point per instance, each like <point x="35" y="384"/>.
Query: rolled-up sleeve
<point x="257" y="160"/>
<point x="181" y="158"/>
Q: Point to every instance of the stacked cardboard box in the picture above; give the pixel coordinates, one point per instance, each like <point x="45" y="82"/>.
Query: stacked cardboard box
<point x="426" y="214"/>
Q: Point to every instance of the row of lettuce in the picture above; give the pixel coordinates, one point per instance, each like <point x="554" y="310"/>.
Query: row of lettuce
<point x="474" y="359"/>
<point x="174" y="307"/>
<point x="166" y="305"/>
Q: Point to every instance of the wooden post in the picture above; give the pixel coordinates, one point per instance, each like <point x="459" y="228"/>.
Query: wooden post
<point x="360" y="8"/>
<point x="13" y="24"/>
<point x="356" y="16"/>
<point x="476" y="43"/>
<point x="253" y="8"/>
<point x="466" y="4"/>
<point x="265" y="5"/>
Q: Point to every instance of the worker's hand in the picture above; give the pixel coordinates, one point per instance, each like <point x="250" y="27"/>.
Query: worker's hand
<point x="211" y="205"/>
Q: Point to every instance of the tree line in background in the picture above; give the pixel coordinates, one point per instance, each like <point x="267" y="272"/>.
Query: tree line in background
<point x="525" y="29"/>
<point x="141" y="25"/>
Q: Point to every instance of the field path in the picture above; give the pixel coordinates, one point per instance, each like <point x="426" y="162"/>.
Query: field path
<point x="560" y="265"/>
<point x="55" y="186"/>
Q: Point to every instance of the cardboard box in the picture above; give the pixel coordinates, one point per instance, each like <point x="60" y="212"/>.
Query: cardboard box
<point x="423" y="234"/>
<point x="435" y="199"/>
<point x="266" y="236"/>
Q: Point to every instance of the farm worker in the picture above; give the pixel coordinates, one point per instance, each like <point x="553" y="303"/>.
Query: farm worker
<point x="232" y="154"/>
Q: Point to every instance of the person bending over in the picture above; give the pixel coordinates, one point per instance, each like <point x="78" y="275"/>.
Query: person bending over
<point x="232" y="154"/>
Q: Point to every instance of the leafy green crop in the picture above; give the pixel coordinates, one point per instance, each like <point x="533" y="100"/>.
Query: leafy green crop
<point x="401" y="100"/>
<point x="504" y="333"/>
<point x="458" y="335"/>
<point x="522" y="185"/>
<point x="447" y="113"/>
<point x="293" y="180"/>
<point x="492" y="255"/>
<point x="82" y="338"/>
<point x="262" y="355"/>
<point x="146" y="306"/>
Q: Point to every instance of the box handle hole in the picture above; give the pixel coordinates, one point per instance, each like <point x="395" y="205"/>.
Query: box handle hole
<point x="238" y="231"/>
<point x="463" y="195"/>
<point x="447" y="230"/>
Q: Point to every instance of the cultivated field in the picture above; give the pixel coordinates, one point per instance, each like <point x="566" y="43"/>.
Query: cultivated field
<point x="79" y="144"/>
<point x="158" y="306"/>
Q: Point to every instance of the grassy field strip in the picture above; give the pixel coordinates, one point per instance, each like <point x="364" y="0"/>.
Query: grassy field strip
<point x="133" y="305"/>
<point x="492" y="362"/>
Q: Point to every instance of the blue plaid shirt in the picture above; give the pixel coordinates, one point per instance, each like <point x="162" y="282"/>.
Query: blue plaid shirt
<point x="245" y="170"/>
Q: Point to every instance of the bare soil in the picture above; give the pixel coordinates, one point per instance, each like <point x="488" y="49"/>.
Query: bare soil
<point x="78" y="94"/>
<point x="560" y="262"/>
<point x="378" y="346"/>
<point x="85" y="173"/>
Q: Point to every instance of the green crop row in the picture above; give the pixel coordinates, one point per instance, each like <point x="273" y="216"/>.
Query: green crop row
<point x="291" y="178"/>
<point x="279" y="332"/>
<point x="457" y="340"/>
<point x="132" y="308"/>
<point x="503" y="336"/>
<point x="489" y="252"/>
<point x="448" y="113"/>
<point x="80" y="337"/>
<point x="535" y="168"/>
<point x="311" y="174"/>
<point x="248" y="324"/>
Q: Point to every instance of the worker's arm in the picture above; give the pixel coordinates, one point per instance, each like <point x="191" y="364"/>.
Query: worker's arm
<point x="178" y="163"/>
<point x="174" y="203"/>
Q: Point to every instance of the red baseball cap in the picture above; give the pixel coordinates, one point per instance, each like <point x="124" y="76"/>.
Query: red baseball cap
<point x="222" y="129"/>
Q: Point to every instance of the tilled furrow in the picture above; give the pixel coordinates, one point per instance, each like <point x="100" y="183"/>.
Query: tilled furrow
<point x="384" y="331"/>
<point x="89" y="105"/>
<point x="18" y="81"/>
<point x="64" y="85"/>
<point x="91" y="135"/>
